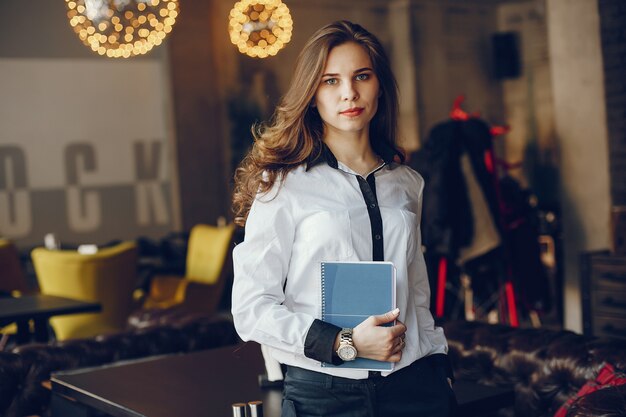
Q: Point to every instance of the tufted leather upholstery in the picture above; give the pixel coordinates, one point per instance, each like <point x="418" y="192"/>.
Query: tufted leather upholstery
<point x="545" y="367"/>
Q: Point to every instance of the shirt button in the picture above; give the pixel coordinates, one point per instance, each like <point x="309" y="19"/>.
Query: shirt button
<point x="377" y="237"/>
<point x="373" y="205"/>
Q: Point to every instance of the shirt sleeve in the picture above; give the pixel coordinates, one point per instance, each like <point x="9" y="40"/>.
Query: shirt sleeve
<point x="418" y="277"/>
<point x="261" y="265"/>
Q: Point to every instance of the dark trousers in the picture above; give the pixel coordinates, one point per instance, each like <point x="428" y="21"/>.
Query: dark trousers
<point x="419" y="390"/>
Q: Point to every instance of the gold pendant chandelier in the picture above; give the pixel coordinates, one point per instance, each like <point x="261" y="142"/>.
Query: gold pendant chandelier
<point x="260" y="28"/>
<point x="122" y="28"/>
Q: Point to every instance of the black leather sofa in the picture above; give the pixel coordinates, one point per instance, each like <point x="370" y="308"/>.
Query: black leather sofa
<point x="544" y="367"/>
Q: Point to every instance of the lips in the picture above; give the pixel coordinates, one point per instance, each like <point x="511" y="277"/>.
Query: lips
<point x="353" y="112"/>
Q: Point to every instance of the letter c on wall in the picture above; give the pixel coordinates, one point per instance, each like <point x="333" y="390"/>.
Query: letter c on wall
<point x="83" y="207"/>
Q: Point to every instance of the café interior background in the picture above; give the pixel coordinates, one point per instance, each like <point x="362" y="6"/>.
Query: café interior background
<point x="95" y="149"/>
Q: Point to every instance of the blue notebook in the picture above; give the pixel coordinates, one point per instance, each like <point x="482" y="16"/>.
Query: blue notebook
<point x="353" y="291"/>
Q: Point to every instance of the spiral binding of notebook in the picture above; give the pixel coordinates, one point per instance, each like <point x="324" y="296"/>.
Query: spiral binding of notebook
<point x="323" y="269"/>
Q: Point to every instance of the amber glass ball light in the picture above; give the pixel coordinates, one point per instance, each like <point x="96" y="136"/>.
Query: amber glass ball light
<point x="260" y="28"/>
<point x="122" y="28"/>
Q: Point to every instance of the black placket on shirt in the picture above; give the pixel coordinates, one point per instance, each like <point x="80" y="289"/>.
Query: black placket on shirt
<point x="368" y="189"/>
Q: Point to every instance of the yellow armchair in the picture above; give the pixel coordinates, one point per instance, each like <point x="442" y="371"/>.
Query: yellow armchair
<point x="207" y="262"/>
<point x="109" y="277"/>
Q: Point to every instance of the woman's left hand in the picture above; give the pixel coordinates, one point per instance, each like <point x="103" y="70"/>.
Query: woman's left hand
<point x="375" y="341"/>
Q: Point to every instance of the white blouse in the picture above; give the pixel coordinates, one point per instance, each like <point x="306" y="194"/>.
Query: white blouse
<point x="320" y="215"/>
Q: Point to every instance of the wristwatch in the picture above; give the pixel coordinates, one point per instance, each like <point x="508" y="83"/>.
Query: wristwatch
<point x="346" y="351"/>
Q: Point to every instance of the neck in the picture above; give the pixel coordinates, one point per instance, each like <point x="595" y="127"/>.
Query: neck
<point x="355" y="151"/>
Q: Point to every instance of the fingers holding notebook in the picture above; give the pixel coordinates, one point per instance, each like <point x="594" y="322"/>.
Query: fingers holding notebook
<point x="375" y="341"/>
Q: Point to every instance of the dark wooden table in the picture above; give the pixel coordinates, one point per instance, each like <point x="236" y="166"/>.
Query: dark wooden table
<point x="39" y="308"/>
<point x="201" y="384"/>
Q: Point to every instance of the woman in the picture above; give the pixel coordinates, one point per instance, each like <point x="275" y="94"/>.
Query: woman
<point x="325" y="181"/>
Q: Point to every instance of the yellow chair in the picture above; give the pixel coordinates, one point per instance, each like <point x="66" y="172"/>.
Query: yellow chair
<point x="109" y="277"/>
<point x="207" y="263"/>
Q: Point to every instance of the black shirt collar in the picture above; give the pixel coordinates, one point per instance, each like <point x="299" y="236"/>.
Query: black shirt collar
<point x="382" y="149"/>
<point x="323" y="154"/>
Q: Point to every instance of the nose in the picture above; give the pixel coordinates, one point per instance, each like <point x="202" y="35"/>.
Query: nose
<point x="349" y="93"/>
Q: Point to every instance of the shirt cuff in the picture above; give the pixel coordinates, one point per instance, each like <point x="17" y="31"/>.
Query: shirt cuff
<point x="320" y="342"/>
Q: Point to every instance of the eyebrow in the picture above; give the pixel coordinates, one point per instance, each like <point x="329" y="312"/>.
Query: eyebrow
<point x="364" y="69"/>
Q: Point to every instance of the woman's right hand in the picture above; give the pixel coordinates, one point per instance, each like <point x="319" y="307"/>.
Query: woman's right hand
<point x="374" y="341"/>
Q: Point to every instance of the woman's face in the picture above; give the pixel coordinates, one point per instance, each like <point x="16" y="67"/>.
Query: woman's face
<point x="347" y="97"/>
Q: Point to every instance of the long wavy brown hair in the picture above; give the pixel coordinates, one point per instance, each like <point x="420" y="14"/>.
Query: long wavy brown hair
<point x="295" y="132"/>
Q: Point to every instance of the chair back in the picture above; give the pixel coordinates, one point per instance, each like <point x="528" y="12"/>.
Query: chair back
<point x="11" y="274"/>
<point x="207" y="251"/>
<point x="109" y="277"/>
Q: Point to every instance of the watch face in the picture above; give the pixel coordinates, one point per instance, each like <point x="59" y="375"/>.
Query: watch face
<point x="347" y="352"/>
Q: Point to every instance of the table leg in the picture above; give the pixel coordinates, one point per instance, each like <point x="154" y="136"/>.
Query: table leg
<point x="41" y="330"/>
<point x="23" y="332"/>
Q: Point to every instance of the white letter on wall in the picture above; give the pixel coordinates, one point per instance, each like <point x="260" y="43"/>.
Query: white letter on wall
<point x="16" y="218"/>
<point x="148" y="190"/>
<point x="83" y="207"/>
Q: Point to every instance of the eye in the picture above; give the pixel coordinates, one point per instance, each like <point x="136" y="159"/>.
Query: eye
<point x="362" y="77"/>
<point x="330" y="81"/>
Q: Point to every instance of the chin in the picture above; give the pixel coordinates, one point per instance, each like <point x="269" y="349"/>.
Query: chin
<point x="352" y="125"/>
